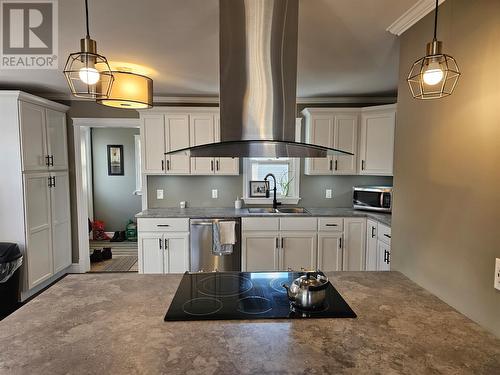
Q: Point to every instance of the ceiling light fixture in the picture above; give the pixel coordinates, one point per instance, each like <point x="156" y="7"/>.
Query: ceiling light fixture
<point x="130" y="91"/>
<point x="88" y="73"/>
<point x="435" y="75"/>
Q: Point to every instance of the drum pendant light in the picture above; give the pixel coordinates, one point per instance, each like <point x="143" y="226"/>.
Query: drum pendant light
<point x="435" y="75"/>
<point x="88" y="73"/>
<point x="130" y="91"/>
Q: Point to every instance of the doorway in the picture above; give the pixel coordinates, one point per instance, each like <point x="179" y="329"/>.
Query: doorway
<point x="109" y="193"/>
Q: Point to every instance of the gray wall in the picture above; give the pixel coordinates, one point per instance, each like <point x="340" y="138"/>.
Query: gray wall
<point x="447" y="210"/>
<point x="197" y="190"/>
<point x="114" y="202"/>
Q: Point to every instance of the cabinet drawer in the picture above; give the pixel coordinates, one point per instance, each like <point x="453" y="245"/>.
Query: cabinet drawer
<point x="299" y="223"/>
<point x="384" y="233"/>
<point x="163" y="225"/>
<point x="331" y="224"/>
<point x="260" y="224"/>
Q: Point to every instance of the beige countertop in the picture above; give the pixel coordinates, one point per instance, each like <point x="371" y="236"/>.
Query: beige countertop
<point x="113" y="324"/>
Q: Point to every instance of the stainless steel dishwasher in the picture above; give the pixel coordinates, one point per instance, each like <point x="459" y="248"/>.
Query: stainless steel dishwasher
<point x="202" y="257"/>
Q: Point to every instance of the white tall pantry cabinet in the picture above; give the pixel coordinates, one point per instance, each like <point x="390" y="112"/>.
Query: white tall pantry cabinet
<point x="34" y="193"/>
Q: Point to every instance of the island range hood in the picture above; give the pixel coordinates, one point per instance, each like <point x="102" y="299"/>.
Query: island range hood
<point x="258" y="80"/>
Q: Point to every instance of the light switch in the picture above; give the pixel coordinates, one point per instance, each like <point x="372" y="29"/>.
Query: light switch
<point x="328" y="194"/>
<point x="497" y="273"/>
<point x="215" y="193"/>
<point x="159" y="194"/>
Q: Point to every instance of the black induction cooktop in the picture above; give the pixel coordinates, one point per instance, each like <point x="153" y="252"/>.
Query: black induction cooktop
<point x="246" y="295"/>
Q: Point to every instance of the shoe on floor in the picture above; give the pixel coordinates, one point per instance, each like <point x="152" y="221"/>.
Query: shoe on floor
<point x="106" y="253"/>
<point x="122" y="237"/>
<point x="116" y="237"/>
<point x="96" y="256"/>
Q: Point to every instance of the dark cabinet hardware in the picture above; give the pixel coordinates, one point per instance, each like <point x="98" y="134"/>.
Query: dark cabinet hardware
<point x="211" y="165"/>
<point x="336" y="164"/>
<point x="162" y="225"/>
<point x="340" y="242"/>
<point x="47" y="161"/>
<point x="49" y="182"/>
<point x="159" y="240"/>
<point x="51" y="158"/>
<point x="166" y="244"/>
<point x="217" y="165"/>
<point x="54" y="181"/>
<point x="373" y="232"/>
<point x="331" y="225"/>
<point x="282" y="243"/>
<point x="168" y="165"/>
<point x="388" y="236"/>
<point x="331" y="163"/>
<point x="362" y="165"/>
<point x="277" y="244"/>
<point x="163" y="165"/>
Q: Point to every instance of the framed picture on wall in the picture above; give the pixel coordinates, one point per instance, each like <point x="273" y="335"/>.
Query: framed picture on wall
<point x="115" y="160"/>
<point x="258" y="189"/>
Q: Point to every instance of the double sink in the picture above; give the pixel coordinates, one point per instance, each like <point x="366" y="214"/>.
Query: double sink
<point x="279" y="211"/>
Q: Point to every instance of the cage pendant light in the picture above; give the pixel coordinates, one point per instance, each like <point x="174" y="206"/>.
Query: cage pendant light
<point x="88" y="73"/>
<point x="435" y="75"/>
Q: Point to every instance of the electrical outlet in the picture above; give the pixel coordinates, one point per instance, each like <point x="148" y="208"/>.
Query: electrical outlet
<point x="215" y="193"/>
<point x="159" y="194"/>
<point x="328" y="194"/>
<point x="497" y="274"/>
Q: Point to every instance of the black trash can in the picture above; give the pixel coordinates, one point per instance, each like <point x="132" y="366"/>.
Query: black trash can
<point x="10" y="263"/>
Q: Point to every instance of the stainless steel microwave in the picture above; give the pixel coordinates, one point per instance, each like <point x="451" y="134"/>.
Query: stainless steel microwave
<point x="372" y="198"/>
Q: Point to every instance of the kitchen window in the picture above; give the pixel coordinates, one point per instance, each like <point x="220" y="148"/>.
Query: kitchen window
<point x="287" y="172"/>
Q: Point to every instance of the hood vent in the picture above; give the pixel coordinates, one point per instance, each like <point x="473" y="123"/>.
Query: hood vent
<point x="258" y="80"/>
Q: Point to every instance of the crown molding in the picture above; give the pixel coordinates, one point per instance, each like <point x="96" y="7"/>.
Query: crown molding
<point x="412" y="16"/>
<point x="159" y="100"/>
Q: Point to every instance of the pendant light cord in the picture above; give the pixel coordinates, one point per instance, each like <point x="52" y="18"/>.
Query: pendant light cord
<point x="87" y="17"/>
<point x="435" y="19"/>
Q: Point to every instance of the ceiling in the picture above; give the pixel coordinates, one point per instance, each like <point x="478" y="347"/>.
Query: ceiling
<point x="344" y="48"/>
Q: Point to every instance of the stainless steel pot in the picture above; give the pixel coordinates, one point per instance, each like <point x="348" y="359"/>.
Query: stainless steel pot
<point x="307" y="291"/>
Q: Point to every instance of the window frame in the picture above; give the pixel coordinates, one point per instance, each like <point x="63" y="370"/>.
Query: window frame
<point x="247" y="171"/>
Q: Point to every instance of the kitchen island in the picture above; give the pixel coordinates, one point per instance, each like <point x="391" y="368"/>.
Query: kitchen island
<point x="113" y="324"/>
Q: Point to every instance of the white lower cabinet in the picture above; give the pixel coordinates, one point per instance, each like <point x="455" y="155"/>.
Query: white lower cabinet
<point x="354" y="244"/>
<point x="164" y="252"/>
<point x="330" y="251"/>
<point x="298" y="251"/>
<point x="371" y="245"/>
<point x="273" y="244"/>
<point x="260" y="251"/>
<point x="378" y="246"/>
<point x="383" y="256"/>
<point x="163" y="245"/>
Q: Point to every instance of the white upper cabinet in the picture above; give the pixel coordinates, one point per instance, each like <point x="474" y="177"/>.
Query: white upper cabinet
<point x="371" y="142"/>
<point x="178" y="128"/>
<point x="202" y="127"/>
<point x="345" y="139"/>
<point x="376" y="151"/>
<point x="56" y="140"/>
<point x="176" y="138"/>
<point x="33" y="137"/>
<point x="153" y="143"/>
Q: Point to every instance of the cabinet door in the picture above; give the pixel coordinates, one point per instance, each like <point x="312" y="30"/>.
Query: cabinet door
<point x="346" y="139"/>
<point x="377" y="143"/>
<point x="38" y="228"/>
<point x="176" y="138"/>
<point x="33" y="137"/>
<point x="57" y="144"/>
<point x="354" y="244"/>
<point x="330" y="252"/>
<point x="320" y="132"/>
<point x="383" y="256"/>
<point x="298" y="250"/>
<point x="176" y="248"/>
<point x="259" y="251"/>
<point x="153" y="143"/>
<point x="61" y="222"/>
<point x="151" y="253"/>
<point x="202" y="131"/>
<point x="225" y="166"/>
<point x="371" y="245"/>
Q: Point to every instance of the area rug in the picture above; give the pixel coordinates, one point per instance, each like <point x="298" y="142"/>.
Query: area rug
<point x="121" y="264"/>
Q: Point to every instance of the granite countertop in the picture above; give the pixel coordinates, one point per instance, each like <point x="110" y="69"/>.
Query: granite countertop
<point x="207" y="212"/>
<point x="113" y="324"/>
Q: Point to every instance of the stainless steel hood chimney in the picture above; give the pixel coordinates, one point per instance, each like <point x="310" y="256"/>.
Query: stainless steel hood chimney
<point x="258" y="80"/>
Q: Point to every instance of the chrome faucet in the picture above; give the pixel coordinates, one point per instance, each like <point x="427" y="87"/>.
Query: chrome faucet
<point x="275" y="202"/>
